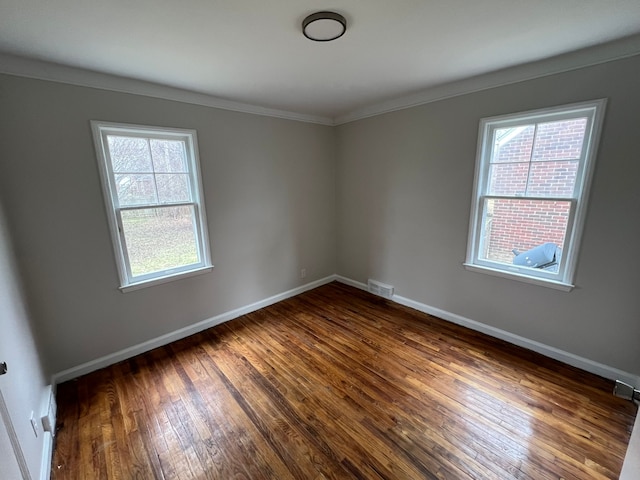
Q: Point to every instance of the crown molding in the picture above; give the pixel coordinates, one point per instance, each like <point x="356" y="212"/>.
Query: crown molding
<point x="607" y="52"/>
<point x="41" y="70"/>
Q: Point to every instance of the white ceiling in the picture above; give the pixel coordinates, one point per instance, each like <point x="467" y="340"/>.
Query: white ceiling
<point x="253" y="51"/>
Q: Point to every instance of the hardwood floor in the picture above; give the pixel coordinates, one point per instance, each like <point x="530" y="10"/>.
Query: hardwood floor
<point x="336" y="383"/>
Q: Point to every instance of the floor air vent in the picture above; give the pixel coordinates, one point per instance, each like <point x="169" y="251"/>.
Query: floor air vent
<point x="380" y="289"/>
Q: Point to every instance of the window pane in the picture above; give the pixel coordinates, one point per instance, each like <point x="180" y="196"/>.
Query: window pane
<point x="513" y="144"/>
<point x="520" y="224"/>
<point x="552" y="179"/>
<point x="559" y="140"/>
<point x="129" y="154"/>
<point x="173" y="187"/>
<point x="168" y="156"/>
<point x="508" y="179"/>
<point x="135" y="189"/>
<point x="160" y="238"/>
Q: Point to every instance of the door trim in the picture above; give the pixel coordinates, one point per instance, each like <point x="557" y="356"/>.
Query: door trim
<point x="15" y="443"/>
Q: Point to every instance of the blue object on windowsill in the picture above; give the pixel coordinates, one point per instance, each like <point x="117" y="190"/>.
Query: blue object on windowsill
<point x="542" y="256"/>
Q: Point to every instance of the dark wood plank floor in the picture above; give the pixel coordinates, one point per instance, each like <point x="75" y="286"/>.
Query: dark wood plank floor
<point x="336" y="383"/>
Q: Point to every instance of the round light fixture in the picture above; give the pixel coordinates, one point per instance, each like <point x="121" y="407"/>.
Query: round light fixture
<point x="324" y="26"/>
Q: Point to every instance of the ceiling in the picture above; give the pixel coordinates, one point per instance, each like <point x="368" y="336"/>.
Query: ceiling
<point x="253" y="51"/>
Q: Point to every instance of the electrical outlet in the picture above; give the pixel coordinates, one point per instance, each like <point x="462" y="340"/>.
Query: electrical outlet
<point x="34" y="424"/>
<point x="303" y="272"/>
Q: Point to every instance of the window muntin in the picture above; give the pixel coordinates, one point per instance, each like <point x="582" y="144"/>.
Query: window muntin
<point x="153" y="194"/>
<point x="532" y="176"/>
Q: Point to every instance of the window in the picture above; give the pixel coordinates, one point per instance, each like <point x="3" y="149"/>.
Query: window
<point x="153" y="194"/>
<point x="533" y="171"/>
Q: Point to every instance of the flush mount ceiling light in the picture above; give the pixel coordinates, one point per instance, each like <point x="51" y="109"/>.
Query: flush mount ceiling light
<point x="324" y="26"/>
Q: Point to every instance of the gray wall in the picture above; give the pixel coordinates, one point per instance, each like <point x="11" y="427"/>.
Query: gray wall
<point x="404" y="195"/>
<point x="386" y="197"/>
<point x="24" y="386"/>
<point x="269" y="187"/>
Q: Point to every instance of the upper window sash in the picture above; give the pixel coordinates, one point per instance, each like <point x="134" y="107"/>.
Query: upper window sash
<point x="489" y="126"/>
<point x="192" y="173"/>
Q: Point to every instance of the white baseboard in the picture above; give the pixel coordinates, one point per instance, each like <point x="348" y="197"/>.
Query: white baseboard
<point x="134" y="350"/>
<point x="631" y="465"/>
<point x="552" y="352"/>
<point x="48" y="409"/>
<point x="353" y="283"/>
<point x="47" y="456"/>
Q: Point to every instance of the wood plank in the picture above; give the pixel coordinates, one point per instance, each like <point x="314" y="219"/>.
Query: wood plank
<point x="336" y="383"/>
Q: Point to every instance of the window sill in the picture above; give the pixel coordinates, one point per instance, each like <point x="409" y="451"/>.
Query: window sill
<point x="169" y="278"/>
<point x="542" y="282"/>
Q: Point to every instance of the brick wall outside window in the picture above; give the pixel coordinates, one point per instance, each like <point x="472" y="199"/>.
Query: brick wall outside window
<point x="530" y="161"/>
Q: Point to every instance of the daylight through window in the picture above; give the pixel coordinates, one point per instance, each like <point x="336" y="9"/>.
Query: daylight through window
<point x="532" y="177"/>
<point x="153" y="193"/>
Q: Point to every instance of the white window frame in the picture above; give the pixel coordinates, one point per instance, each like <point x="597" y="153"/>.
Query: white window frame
<point x="128" y="281"/>
<point x="563" y="279"/>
